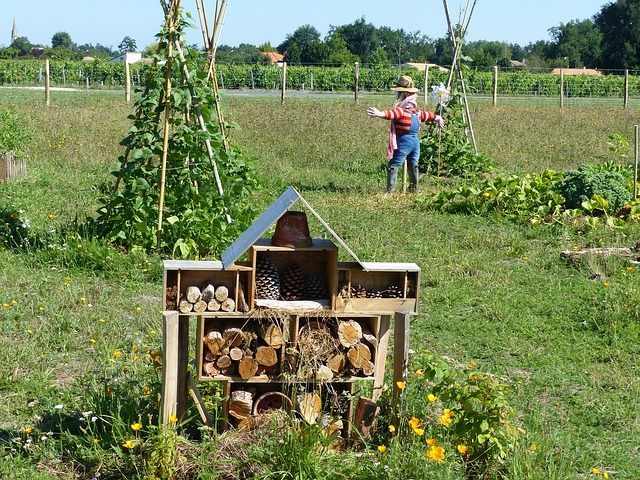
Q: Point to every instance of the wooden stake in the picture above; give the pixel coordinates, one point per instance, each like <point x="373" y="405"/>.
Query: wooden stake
<point x="400" y="362"/>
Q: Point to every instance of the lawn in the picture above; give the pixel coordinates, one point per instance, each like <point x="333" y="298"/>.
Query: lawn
<point x="81" y="325"/>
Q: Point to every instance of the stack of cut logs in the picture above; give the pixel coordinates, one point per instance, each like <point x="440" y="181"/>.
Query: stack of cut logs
<point x="206" y="298"/>
<point x="351" y="355"/>
<point x="244" y="351"/>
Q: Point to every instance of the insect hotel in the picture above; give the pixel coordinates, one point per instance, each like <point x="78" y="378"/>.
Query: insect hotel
<point x="290" y="327"/>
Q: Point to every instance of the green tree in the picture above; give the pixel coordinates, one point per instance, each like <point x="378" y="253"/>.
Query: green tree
<point x="379" y="58"/>
<point x="362" y="38"/>
<point x="62" y="39"/>
<point x="295" y="46"/>
<point x="337" y="51"/>
<point x="395" y="43"/>
<point x="619" y="25"/>
<point x="242" y="54"/>
<point x="578" y="42"/>
<point x="127" y="44"/>
<point x="22" y="45"/>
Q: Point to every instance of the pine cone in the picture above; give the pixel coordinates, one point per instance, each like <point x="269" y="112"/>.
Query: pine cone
<point x="267" y="279"/>
<point x="358" y="291"/>
<point x="293" y="283"/>
<point x="314" y="287"/>
<point x="374" y="294"/>
<point x="392" y="291"/>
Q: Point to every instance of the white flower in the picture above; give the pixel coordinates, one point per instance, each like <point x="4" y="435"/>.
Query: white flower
<point x="440" y="94"/>
<point x="93" y="419"/>
<point x="86" y="414"/>
<point x="59" y="406"/>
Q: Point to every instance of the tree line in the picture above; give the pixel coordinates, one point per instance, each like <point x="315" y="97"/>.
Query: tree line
<point x="610" y="39"/>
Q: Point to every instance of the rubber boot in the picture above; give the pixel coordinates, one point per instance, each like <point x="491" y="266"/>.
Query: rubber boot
<point x="413" y="177"/>
<point x="392" y="179"/>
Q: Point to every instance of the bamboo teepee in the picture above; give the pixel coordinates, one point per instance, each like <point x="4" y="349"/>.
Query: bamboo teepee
<point x="182" y="114"/>
<point x="455" y="73"/>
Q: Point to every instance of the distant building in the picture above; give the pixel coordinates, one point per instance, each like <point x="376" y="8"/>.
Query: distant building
<point x="128" y="57"/>
<point x="14" y="32"/>
<point x="421" y="67"/>
<point x="275" y="58"/>
<point x="577" y="71"/>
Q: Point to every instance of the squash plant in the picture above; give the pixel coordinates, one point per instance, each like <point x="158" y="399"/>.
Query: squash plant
<point x="194" y="213"/>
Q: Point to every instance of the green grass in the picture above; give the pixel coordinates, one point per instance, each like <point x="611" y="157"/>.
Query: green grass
<point x="493" y="291"/>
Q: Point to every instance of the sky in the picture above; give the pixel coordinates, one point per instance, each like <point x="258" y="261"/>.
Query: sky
<point x="258" y="21"/>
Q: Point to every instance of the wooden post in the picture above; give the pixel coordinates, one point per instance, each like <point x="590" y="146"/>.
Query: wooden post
<point x="561" y="87"/>
<point x="284" y="82"/>
<point x="626" y="88"/>
<point x="355" y="86"/>
<point x="127" y="82"/>
<point x="426" y="84"/>
<point x="495" y="85"/>
<point x="175" y="359"/>
<point x="47" y="80"/>
<point x="400" y="361"/>
<point x="635" y="164"/>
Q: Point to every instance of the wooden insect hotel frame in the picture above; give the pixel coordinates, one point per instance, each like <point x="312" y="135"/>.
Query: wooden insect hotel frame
<point x="290" y="327"/>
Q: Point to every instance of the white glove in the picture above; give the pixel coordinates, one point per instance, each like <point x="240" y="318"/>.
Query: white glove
<point x="440" y="120"/>
<point x="373" y="112"/>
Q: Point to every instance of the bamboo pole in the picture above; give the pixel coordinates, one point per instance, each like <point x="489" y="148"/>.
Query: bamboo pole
<point x="175" y="5"/>
<point x="426" y="84"/>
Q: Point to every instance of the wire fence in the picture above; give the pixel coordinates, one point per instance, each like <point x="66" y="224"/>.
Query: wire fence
<point x="612" y="84"/>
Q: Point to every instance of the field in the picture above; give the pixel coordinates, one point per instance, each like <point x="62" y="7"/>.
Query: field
<point x="79" y="319"/>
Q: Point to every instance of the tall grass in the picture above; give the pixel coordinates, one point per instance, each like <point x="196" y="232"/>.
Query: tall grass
<point x="565" y="336"/>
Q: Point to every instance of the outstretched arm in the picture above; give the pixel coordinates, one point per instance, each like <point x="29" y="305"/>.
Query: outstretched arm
<point x="373" y="112"/>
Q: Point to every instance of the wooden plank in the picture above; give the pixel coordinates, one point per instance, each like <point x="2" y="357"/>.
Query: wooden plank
<point x="383" y="345"/>
<point x="197" y="398"/>
<point x="400" y="360"/>
<point x="170" y="366"/>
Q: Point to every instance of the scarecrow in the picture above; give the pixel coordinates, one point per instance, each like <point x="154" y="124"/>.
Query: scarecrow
<point x="404" y="143"/>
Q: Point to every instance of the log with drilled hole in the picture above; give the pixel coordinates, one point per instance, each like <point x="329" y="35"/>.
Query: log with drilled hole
<point x="240" y="404"/>
<point x="349" y="333"/>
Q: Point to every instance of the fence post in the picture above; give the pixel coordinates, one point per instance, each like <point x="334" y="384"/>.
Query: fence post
<point x="635" y="164"/>
<point x="561" y="87"/>
<point x="47" y="80"/>
<point x="284" y="82"/>
<point x="127" y="82"/>
<point x="426" y="84"/>
<point x="356" y="82"/>
<point x="626" y="88"/>
<point x="495" y="85"/>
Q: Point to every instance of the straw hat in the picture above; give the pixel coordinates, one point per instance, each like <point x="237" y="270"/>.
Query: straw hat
<point x="405" y="84"/>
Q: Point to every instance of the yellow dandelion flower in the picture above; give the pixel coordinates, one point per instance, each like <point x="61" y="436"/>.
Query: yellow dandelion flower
<point x="41" y="309"/>
<point x="401" y="385"/>
<point x="146" y="391"/>
<point x="14" y="302"/>
<point x="83" y="299"/>
<point x="595" y="471"/>
<point x="392" y="429"/>
<point x="431" y="442"/>
<point x="473" y="363"/>
<point x="96" y="441"/>
<point x="92" y="340"/>
<point x="5" y="305"/>
<point x="27" y="430"/>
<point x="101" y="320"/>
<point x="117" y="353"/>
<point x="135" y="347"/>
<point x="173" y="418"/>
<point x="419" y="372"/>
<point x="432" y="398"/>
<point x="533" y="447"/>
<point x="382" y="448"/>
<point x="629" y="269"/>
<point x="136" y="426"/>
<point x="138" y="309"/>
<point x="129" y="444"/>
<point x="606" y="284"/>
<point x="29" y="331"/>
<point x="462" y="449"/>
<point x="51" y="216"/>
<point x="605" y="475"/>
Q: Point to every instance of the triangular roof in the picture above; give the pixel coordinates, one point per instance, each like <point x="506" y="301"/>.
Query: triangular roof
<point x="268" y="218"/>
<point x="279" y="208"/>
